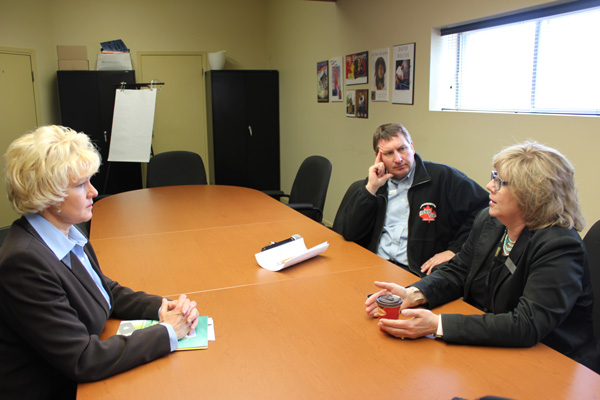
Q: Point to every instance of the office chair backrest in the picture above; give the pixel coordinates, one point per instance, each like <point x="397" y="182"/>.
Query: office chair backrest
<point x="337" y="221"/>
<point x="311" y="182"/>
<point x="174" y="168"/>
<point x="84" y="227"/>
<point x="3" y="234"/>
<point x="592" y="245"/>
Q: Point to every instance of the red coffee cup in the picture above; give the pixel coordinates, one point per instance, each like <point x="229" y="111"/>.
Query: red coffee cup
<point x="388" y="306"/>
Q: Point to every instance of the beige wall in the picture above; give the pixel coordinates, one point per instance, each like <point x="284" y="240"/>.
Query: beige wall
<point x="291" y="36"/>
<point x="302" y="33"/>
<point x="238" y="26"/>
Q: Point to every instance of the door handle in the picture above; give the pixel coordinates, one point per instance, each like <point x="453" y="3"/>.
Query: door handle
<point x="250" y="130"/>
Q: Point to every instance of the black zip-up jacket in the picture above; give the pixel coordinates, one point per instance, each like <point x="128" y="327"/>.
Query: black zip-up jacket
<point x="443" y="204"/>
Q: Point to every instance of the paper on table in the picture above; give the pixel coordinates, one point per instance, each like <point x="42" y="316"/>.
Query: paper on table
<point x="197" y="339"/>
<point x="288" y="254"/>
<point x="205" y="331"/>
<point x="210" y="329"/>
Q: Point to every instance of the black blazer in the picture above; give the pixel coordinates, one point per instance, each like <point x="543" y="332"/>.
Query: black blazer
<point x="547" y="297"/>
<point x="51" y="316"/>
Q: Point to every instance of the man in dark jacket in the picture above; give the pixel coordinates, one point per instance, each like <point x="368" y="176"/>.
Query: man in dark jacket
<point x="415" y="213"/>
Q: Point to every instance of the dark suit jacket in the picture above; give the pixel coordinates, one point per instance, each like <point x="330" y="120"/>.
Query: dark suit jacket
<point x="51" y="316"/>
<point x="547" y="297"/>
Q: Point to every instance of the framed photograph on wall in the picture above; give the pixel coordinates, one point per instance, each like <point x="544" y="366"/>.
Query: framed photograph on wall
<point x="404" y="74"/>
<point x="323" y="81"/>
<point x="337" y="79"/>
<point x="380" y="82"/>
<point x="362" y="103"/>
<point x="350" y="103"/>
<point x="357" y="68"/>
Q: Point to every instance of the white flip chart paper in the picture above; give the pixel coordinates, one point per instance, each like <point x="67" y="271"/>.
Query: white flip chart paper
<point x="133" y="121"/>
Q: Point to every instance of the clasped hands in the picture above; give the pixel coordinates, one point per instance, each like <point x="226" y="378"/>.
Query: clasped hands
<point x="420" y="322"/>
<point x="181" y="314"/>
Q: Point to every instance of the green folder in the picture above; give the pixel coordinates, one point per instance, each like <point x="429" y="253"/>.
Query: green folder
<point x="198" y="340"/>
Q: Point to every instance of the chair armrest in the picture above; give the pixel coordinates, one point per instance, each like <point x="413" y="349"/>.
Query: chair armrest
<point x="276" y="194"/>
<point x="306" y="207"/>
<point x="302" y="206"/>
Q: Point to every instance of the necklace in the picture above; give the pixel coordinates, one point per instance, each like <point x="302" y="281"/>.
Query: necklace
<point x="508" y="244"/>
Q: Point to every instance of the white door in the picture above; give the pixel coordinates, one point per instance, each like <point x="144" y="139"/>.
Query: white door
<point x="19" y="112"/>
<point x="180" y="116"/>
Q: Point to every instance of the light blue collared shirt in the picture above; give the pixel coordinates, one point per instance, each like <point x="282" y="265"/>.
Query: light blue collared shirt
<point x="394" y="238"/>
<point x="62" y="246"/>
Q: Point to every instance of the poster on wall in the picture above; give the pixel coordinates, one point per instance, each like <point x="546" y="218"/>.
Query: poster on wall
<point x="322" y="82"/>
<point x="362" y="103"/>
<point x="380" y="82"/>
<point x="350" y="103"/>
<point x="404" y="74"/>
<point x="357" y="66"/>
<point x="336" y="84"/>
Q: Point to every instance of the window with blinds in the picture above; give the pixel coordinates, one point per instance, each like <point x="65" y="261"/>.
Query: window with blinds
<point x="548" y="64"/>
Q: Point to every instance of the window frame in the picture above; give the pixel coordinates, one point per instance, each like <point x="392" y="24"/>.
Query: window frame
<point x="450" y="99"/>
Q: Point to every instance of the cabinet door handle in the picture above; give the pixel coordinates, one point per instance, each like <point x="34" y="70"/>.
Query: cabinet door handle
<point x="105" y="137"/>
<point x="250" y="130"/>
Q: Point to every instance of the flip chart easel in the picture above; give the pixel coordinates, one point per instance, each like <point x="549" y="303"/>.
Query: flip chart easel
<point x="133" y="123"/>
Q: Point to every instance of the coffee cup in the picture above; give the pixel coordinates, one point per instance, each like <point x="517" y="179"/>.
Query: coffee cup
<point x="388" y="306"/>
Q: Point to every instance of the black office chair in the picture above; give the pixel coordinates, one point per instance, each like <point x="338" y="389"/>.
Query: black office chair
<point x="85" y="227"/>
<point x="309" y="188"/>
<point x="592" y="245"/>
<point x="174" y="168"/>
<point x="3" y="234"/>
<point x="337" y="221"/>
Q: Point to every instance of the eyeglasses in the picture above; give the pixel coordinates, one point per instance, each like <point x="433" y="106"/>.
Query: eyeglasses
<point x="497" y="181"/>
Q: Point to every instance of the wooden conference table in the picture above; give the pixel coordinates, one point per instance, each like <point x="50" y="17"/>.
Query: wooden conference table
<point x="296" y="334"/>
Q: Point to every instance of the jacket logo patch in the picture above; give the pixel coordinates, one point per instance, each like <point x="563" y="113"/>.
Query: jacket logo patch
<point x="427" y="212"/>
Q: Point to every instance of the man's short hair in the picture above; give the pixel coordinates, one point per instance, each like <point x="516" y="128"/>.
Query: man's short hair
<point x="388" y="132"/>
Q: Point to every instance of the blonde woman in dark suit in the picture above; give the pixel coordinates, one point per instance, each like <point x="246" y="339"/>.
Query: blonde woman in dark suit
<point x="54" y="298"/>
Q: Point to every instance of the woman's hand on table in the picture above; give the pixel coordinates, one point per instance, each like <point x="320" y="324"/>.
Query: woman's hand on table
<point x="420" y="322"/>
<point x="181" y="314"/>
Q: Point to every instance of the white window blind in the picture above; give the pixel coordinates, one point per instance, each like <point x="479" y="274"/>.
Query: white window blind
<point x="543" y="65"/>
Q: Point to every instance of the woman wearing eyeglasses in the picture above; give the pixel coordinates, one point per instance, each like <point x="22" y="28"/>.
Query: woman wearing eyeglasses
<point x="524" y="265"/>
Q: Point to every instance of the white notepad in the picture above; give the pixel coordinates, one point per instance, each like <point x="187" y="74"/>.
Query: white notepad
<point x="288" y="254"/>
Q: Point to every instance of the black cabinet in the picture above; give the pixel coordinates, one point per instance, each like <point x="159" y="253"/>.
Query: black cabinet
<point x="87" y="100"/>
<point x="243" y="122"/>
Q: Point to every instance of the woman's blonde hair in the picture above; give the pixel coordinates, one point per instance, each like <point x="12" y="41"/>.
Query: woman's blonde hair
<point x="40" y="166"/>
<point x="542" y="181"/>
